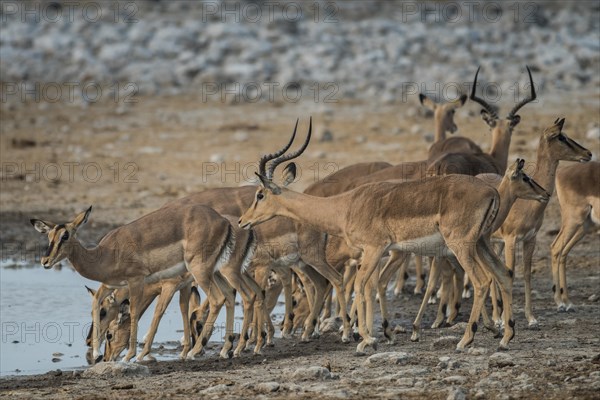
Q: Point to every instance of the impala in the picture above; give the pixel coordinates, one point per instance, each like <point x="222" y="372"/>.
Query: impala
<point x="578" y="192"/>
<point x="160" y="245"/>
<point x="164" y="289"/>
<point x="496" y="160"/>
<point x="440" y="216"/>
<point x="515" y="184"/>
<point x="525" y="218"/>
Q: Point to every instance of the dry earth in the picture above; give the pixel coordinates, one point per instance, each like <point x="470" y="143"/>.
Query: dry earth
<point x="169" y="141"/>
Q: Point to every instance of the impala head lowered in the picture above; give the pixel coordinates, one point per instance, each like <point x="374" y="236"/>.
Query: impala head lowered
<point x="490" y="116"/>
<point x="60" y="237"/>
<point x="266" y="195"/>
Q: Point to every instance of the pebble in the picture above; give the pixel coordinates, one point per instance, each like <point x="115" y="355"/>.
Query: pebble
<point x="457" y="393"/>
<point x="593" y="297"/>
<point x="445" y="342"/>
<point x="310" y="373"/>
<point x="268" y="387"/>
<point x="477" y="351"/>
<point x="116" y="369"/>
<point x="390" y="358"/>
<point x="500" y="360"/>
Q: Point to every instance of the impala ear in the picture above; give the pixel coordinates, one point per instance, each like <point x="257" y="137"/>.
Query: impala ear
<point x="514" y="121"/>
<point x="488" y="118"/>
<point x="91" y="291"/>
<point x="520" y="163"/>
<point x="81" y="218"/>
<point x="560" y="123"/>
<point x="123" y="311"/>
<point x="427" y="102"/>
<point x="42" y="226"/>
<point x="289" y="174"/>
<point x="459" y="102"/>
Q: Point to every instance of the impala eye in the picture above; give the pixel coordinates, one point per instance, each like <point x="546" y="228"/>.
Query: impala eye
<point x="260" y="196"/>
<point x="562" y="138"/>
<point x="525" y="178"/>
<point x="102" y="313"/>
<point x="65" y="237"/>
<point x="109" y="336"/>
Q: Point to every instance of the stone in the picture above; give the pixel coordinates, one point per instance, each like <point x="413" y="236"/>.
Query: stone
<point x="455" y="379"/>
<point x="593" y="298"/>
<point x="390" y="358"/>
<point x="500" y="360"/>
<point x="457" y="393"/>
<point x="268" y="387"/>
<point x="216" y="389"/>
<point x="477" y="351"/>
<point x="329" y="325"/>
<point x="116" y="369"/>
<point x="445" y="342"/>
<point x="310" y="373"/>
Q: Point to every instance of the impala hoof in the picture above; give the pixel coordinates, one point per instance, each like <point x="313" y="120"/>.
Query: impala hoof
<point x="533" y="325"/>
<point x="356" y="336"/>
<point x="570" y="308"/>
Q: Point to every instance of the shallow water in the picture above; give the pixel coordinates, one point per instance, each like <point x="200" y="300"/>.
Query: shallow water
<point x="44" y="312"/>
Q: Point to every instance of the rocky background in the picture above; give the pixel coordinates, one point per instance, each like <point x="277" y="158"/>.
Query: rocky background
<point x="350" y="49"/>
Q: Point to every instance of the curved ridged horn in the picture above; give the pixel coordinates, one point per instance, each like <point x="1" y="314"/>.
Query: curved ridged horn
<point x="529" y="99"/>
<point x="482" y="102"/>
<point x="267" y="157"/>
<point x="291" y="156"/>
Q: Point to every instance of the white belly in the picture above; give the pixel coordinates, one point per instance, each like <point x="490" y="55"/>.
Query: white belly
<point x="171" y="272"/>
<point x="432" y="245"/>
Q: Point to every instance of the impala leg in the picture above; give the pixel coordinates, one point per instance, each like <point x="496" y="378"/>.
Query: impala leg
<point x="394" y="262"/>
<point x="447" y="273"/>
<point x="458" y="278"/>
<point x="254" y="291"/>
<point x="466" y="294"/>
<point x="496" y="305"/>
<point x="184" y="306"/>
<point x="165" y="297"/>
<point x="229" y="293"/>
<point x="401" y="277"/>
<point x="136" y="291"/>
<point x="285" y="275"/>
<point x="568" y="237"/>
<point x="420" y="275"/>
<point x="370" y="261"/>
<point x="215" y="299"/>
<point x="336" y="280"/>
<point x="503" y="277"/>
<point x="320" y="285"/>
<point x="434" y="273"/>
<point x="528" y="249"/>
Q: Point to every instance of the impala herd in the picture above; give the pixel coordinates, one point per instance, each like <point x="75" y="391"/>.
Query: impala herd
<point x="348" y="234"/>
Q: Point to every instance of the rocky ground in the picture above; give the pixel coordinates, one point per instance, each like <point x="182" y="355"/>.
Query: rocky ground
<point x="170" y="139"/>
<point x="357" y="49"/>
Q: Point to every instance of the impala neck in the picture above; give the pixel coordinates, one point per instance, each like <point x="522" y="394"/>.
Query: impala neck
<point x="440" y="132"/>
<point x="326" y="214"/>
<point x="500" y="146"/>
<point x="507" y="199"/>
<point x="546" y="167"/>
<point x="89" y="263"/>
